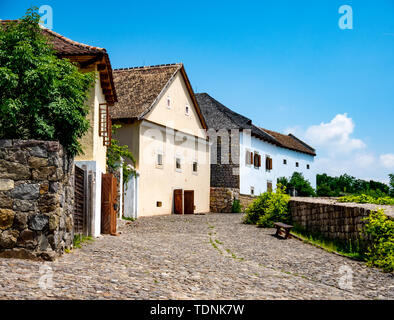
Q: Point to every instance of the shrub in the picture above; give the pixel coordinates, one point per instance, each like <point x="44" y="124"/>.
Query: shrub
<point x="363" y="198"/>
<point x="268" y="208"/>
<point x="41" y="96"/>
<point x="379" y="231"/>
<point x="236" y="206"/>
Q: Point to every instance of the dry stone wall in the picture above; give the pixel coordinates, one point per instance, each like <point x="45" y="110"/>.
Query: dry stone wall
<point x="36" y="199"/>
<point x="343" y="221"/>
<point x="221" y="199"/>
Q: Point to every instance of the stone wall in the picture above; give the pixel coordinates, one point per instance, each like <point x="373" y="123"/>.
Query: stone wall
<point x="36" y="199"/>
<point x="246" y="200"/>
<point x="333" y="220"/>
<point x="221" y="199"/>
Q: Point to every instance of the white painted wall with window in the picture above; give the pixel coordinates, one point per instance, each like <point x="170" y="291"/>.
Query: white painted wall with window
<point x="283" y="164"/>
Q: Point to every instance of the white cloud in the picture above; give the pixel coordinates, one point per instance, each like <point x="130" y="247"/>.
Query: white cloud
<point x="339" y="152"/>
<point x="387" y="160"/>
<point x="335" y="135"/>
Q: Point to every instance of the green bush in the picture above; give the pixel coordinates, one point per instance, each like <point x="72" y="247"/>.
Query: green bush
<point x="268" y="208"/>
<point x="363" y="198"/>
<point x="41" y="96"/>
<point x="379" y="231"/>
<point x="116" y="152"/>
<point x="236" y="206"/>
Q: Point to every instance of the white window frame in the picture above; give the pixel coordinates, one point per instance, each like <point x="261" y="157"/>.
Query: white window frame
<point x="195" y="162"/>
<point x="180" y="163"/>
<point x="252" y="191"/>
<point x="158" y="165"/>
<point x="187" y="110"/>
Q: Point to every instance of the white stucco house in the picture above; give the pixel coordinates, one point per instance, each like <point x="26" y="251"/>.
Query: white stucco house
<point x="246" y="159"/>
<point x="165" y="131"/>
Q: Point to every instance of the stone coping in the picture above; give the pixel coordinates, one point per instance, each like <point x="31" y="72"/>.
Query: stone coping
<point x="389" y="210"/>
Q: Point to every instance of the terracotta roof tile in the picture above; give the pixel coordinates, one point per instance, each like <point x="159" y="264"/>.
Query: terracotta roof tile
<point x="139" y="87"/>
<point x="291" y="142"/>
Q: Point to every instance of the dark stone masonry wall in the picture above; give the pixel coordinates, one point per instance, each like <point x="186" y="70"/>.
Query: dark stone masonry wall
<point x="36" y="199"/>
<point x="225" y="172"/>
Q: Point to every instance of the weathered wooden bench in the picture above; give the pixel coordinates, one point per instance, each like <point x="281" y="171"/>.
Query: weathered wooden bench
<point x="285" y="227"/>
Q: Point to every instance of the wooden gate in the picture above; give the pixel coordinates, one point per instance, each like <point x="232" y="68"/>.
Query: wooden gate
<point x="178" y="201"/>
<point x="189" y="201"/>
<point x="79" y="201"/>
<point x="108" y="202"/>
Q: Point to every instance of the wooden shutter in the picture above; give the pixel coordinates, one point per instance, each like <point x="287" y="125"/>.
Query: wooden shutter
<point x="259" y="161"/>
<point x="251" y="158"/>
<point x="270" y="163"/>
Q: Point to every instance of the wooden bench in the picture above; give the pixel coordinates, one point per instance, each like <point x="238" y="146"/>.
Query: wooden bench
<point x="281" y="225"/>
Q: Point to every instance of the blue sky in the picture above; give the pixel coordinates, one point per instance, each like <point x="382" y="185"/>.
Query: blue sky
<point x="285" y="64"/>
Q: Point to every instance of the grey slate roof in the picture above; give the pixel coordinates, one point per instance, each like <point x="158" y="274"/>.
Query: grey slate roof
<point x="217" y="117"/>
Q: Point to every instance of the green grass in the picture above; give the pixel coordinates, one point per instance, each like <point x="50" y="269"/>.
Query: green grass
<point x="214" y="245"/>
<point x="79" y="239"/>
<point x="350" y="249"/>
<point x="128" y="219"/>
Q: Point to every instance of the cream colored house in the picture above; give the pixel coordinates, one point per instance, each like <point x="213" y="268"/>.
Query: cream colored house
<point x="163" y="126"/>
<point x="102" y="98"/>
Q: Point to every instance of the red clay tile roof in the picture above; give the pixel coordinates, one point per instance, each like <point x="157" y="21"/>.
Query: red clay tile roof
<point x="140" y="87"/>
<point x="84" y="55"/>
<point x="291" y="142"/>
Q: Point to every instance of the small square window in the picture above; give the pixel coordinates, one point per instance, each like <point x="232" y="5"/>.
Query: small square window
<point x="187" y="110"/>
<point x="308" y="166"/>
<point x="297" y="164"/>
<point x="195" y="166"/>
<point x="159" y="204"/>
<point x="252" y="191"/>
<point x="159" y="159"/>
<point x="178" y="163"/>
<point x="284" y="161"/>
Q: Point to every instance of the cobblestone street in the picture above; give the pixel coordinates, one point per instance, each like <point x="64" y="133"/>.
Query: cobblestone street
<point x="210" y="256"/>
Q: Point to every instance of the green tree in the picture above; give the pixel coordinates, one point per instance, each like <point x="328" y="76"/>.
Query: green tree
<point x="391" y="176"/>
<point x="115" y="153"/>
<point x="303" y="186"/>
<point x="41" y="96"/>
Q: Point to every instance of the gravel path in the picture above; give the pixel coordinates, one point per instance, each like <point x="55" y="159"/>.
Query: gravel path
<point x="210" y="256"/>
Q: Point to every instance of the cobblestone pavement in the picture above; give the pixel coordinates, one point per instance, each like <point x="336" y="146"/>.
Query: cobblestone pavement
<point x="210" y="256"/>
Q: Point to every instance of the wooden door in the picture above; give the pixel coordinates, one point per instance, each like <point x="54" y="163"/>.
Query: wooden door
<point x="108" y="202"/>
<point x="79" y="201"/>
<point x="178" y="201"/>
<point x="189" y="201"/>
<point x="269" y="186"/>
